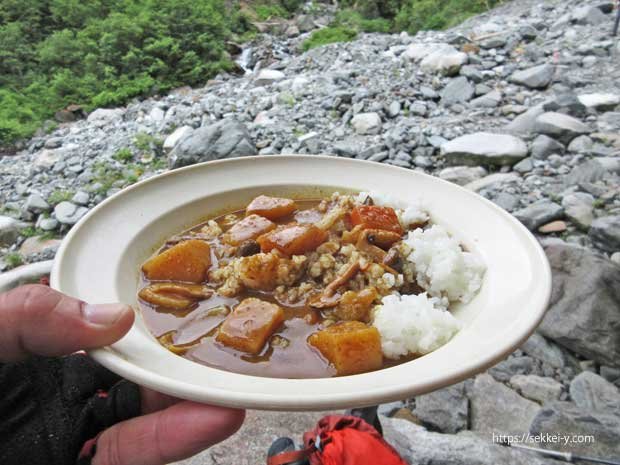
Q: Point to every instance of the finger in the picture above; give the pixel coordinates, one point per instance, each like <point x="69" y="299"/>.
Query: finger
<point x="152" y="401"/>
<point x="178" y="432"/>
<point x="36" y="319"/>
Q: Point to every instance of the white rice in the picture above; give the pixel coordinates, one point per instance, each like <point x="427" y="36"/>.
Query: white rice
<point x="443" y="269"/>
<point x="419" y="324"/>
<point x="415" y="324"/>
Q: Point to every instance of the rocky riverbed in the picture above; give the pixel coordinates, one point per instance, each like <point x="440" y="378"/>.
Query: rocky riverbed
<point x="521" y="105"/>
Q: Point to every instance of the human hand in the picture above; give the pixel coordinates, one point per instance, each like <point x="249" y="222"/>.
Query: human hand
<point x="38" y="321"/>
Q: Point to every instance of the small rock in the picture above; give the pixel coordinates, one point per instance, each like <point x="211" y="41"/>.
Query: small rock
<point x="540" y="348"/>
<point x="484" y="148"/>
<point x="524" y="166"/>
<point x="537" y="77"/>
<point x="225" y="139"/>
<point x="9" y="229"/>
<point x="587" y="172"/>
<point x="592" y="392"/>
<point x="446" y="60"/>
<point x="492" y="180"/>
<point x="543" y="146"/>
<point x="81" y="198"/>
<point x="53" y="143"/>
<point x="525" y="123"/>
<point x="557" y="226"/>
<point x="462" y="175"/>
<point x="539" y="213"/>
<point x="508" y="202"/>
<point x="458" y="90"/>
<point x="605" y="233"/>
<point x="104" y="116"/>
<point x="366" y="123"/>
<point x="508" y="413"/>
<point x="48" y="224"/>
<point x="472" y="73"/>
<point x="394" y="109"/>
<point x="537" y="388"/>
<point x="268" y="76"/>
<point x="444" y="410"/>
<point x="489" y="100"/>
<point x="36" y="204"/>
<point x="178" y="134"/>
<point x="35" y="244"/>
<point x="69" y="213"/>
<point x="156" y="115"/>
<point x="580" y="144"/>
<point x="512" y="366"/>
<point x="560" y="126"/>
<point x="600" y="102"/>
<point x="579" y="208"/>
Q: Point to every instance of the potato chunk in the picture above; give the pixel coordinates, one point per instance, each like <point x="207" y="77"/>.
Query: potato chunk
<point x="271" y="207"/>
<point x="187" y="261"/>
<point x="356" y="305"/>
<point x="294" y="239"/>
<point x="352" y="347"/>
<point x="248" y="228"/>
<point x="250" y="324"/>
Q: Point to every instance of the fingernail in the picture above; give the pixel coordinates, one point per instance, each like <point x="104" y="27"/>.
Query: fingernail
<point x="104" y="314"/>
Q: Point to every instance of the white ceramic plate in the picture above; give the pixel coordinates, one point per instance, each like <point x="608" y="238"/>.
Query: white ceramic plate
<point x="99" y="261"/>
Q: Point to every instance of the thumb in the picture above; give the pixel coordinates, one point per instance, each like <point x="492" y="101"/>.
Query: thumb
<point x="37" y="320"/>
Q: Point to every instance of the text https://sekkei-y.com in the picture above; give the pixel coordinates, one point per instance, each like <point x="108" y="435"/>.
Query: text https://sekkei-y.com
<point x="543" y="438"/>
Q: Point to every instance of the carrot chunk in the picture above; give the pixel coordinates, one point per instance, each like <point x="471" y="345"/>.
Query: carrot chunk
<point x="248" y="228"/>
<point x="375" y="217"/>
<point x="250" y="324"/>
<point x="187" y="261"/>
<point x="271" y="207"/>
<point x="351" y="346"/>
<point x="293" y="240"/>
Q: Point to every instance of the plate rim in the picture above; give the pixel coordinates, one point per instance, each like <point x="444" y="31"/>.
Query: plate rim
<point x="115" y="362"/>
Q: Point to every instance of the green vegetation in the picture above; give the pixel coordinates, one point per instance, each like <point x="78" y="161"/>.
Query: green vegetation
<point x="268" y="11"/>
<point x="60" y="195"/>
<point x="13" y="260"/>
<point x="37" y="232"/>
<point x="146" y="143"/>
<point x="416" y="15"/>
<point x="329" y="35"/>
<point x="123" y="155"/>
<point x="393" y="16"/>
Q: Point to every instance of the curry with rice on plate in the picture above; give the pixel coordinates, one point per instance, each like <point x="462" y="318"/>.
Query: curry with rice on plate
<point x="309" y="288"/>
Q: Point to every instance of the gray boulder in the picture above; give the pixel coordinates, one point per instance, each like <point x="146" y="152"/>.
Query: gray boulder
<point x="445" y="60"/>
<point x="36" y="204"/>
<point x="178" y="134"/>
<point x="489" y="100"/>
<point x="538" y="388"/>
<point x="497" y="409"/>
<point x="69" y="213"/>
<point x="445" y="410"/>
<point x="543" y="146"/>
<point x="586" y="172"/>
<point x="579" y="208"/>
<point x="593" y="392"/>
<point x="560" y="126"/>
<point x="539" y="213"/>
<point x="458" y="90"/>
<point x="588" y="14"/>
<point x="540" y="348"/>
<point x="462" y="175"/>
<point x="9" y="229"/>
<point x="366" y="123"/>
<point x="605" y="233"/>
<point x="224" y="139"/>
<point x="584" y="310"/>
<point x="537" y="77"/>
<point x="600" y="101"/>
<point x="483" y="148"/>
<point x="525" y="123"/>
<point x="512" y="366"/>
<point x="566" y="419"/>
<point x="417" y="446"/>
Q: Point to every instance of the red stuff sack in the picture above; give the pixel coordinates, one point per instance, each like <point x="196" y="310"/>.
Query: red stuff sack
<point x="342" y="440"/>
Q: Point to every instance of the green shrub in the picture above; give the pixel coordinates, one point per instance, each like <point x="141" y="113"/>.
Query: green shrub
<point x="416" y="15"/>
<point x="329" y="35"/>
<point x="59" y="195"/>
<point x="123" y="155"/>
<point x="104" y="52"/>
<point x="13" y="260"/>
<point x="270" y="10"/>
